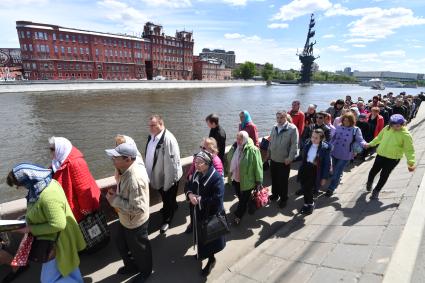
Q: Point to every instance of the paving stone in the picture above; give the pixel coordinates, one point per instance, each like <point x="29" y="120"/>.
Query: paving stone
<point x="371" y="219"/>
<point x="400" y="217"/>
<point x="294" y="272"/>
<point x="285" y="248"/>
<point x="313" y="252"/>
<point x="379" y="260"/>
<point x="363" y="235"/>
<point x="323" y="234"/>
<point x="371" y="278"/>
<point x="383" y="204"/>
<point x="348" y="257"/>
<point x="389" y="193"/>
<point x="406" y="203"/>
<point x="263" y="266"/>
<point x="391" y="236"/>
<point x="337" y="218"/>
<point x="330" y="275"/>
<point x="235" y="278"/>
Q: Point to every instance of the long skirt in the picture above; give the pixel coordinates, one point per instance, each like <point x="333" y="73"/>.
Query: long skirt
<point x="50" y="274"/>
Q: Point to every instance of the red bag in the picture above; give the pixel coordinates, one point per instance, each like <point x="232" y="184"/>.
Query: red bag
<point x="261" y="196"/>
<point x="21" y="257"/>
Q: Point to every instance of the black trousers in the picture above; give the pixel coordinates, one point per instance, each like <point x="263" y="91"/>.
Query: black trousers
<point x="280" y="177"/>
<point x="386" y="166"/>
<point x="308" y="178"/>
<point x="169" y="203"/>
<point x="244" y="198"/>
<point x="135" y="248"/>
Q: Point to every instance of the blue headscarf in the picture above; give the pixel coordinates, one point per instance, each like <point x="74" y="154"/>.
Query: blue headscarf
<point x="247" y="119"/>
<point x="33" y="177"/>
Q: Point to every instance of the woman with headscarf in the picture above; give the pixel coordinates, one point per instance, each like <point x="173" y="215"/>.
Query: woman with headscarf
<point x="73" y="174"/>
<point x="248" y="126"/>
<point x="49" y="217"/>
<point x="205" y="191"/>
<point x="394" y="141"/>
<point x="208" y="145"/>
<point x="245" y="170"/>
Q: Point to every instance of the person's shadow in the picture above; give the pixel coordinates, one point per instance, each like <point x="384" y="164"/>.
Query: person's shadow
<point x="361" y="209"/>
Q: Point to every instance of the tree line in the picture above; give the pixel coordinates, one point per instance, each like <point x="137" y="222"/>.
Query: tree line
<point x="248" y="70"/>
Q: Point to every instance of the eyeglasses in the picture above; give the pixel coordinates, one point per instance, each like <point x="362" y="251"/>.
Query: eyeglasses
<point x="320" y="117"/>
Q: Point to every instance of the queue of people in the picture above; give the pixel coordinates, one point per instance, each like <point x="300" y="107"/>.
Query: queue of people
<point x="324" y="142"/>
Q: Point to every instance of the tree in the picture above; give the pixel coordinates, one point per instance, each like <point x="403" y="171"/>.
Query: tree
<point x="267" y="72"/>
<point x="247" y="70"/>
<point x="289" y="76"/>
<point x="236" y="73"/>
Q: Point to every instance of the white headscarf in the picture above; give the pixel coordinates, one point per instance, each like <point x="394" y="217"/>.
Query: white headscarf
<point x="63" y="148"/>
<point x="237" y="155"/>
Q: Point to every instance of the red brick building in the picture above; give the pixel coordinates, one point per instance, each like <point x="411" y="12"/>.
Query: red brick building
<point x="210" y="70"/>
<point x="51" y="52"/>
<point x="172" y="57"/>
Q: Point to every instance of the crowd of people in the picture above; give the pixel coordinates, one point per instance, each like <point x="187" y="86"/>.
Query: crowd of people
<point x="322" y="142"/>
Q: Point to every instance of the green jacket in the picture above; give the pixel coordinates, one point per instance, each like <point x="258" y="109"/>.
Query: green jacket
<point x="251" y="166"/>
<point x="51" y="214"/>
<point x="393" y="144"/>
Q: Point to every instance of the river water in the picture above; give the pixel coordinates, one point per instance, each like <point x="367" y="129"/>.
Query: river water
<point x="91" y="119"/>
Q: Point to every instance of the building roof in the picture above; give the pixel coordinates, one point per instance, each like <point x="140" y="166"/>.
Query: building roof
<point x="28" y="24"/>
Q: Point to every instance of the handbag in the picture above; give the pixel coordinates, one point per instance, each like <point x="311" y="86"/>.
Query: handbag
<point x="42" y="250"/>
<point x="260" y="197"/>
<point x="22" y="254"/>
<point x="214" y="227"/>
<point x="95" y="231"/>
<point x="355" y="147"/>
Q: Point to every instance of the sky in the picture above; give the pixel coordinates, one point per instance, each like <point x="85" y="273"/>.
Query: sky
<point x="366" y="35"/>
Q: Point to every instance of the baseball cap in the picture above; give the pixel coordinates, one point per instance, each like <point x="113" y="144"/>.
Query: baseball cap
<point x="124" y="149"/>
<point x="397" y="119"/>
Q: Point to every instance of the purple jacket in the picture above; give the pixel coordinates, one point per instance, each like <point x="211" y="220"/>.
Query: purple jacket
<point x="341" y="142"/>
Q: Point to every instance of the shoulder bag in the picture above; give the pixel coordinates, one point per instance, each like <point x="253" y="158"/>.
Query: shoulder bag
<point x="95" y="231"/>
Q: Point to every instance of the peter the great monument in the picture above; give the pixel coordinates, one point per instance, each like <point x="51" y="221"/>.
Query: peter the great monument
<point x="306" y="57"/>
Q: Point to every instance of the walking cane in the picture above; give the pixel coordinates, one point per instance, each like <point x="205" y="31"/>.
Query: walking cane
<point x="195" y="222"/>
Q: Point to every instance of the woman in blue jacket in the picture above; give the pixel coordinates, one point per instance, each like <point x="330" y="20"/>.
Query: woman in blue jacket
<point x="205" y="191"/>
<point x="314" y="169"/>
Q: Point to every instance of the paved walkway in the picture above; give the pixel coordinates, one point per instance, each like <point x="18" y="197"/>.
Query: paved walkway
<point x="348" y="237"/>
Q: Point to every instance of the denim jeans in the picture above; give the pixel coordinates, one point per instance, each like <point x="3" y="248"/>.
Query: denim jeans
<point x="338" y="169"/>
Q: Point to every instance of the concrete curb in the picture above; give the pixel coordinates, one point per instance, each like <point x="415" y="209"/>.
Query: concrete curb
<point x="402" y="264"/>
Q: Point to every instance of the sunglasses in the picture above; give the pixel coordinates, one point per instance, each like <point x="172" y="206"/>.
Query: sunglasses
<point x="203" y="147"/>
<point x="51" y="149"/>
<point x="320" y="117"/>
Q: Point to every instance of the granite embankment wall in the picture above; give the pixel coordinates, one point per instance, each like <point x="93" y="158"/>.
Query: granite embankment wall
<point x="42" y="86"/>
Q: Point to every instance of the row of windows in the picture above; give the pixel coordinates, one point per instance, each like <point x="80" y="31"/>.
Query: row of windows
<point x="167" y="42"/>
<point x="120" y="53"/>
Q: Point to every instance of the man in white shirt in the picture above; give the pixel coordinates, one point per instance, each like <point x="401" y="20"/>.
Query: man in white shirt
<point x="163" y="167"/>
